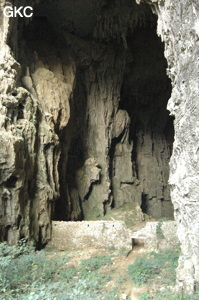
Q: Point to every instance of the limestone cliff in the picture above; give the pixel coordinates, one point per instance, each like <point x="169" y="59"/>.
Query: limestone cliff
<point x="178" y="26"/>
<point x="84" y="126"/>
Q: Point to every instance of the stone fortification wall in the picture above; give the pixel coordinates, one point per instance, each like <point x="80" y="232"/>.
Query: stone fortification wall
<point x="90" y="234"/>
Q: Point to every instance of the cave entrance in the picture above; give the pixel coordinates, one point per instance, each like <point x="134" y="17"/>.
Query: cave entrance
<point x="144" y="95"/>
<point x="108" y="74"/>
<point x="138" y="168"/>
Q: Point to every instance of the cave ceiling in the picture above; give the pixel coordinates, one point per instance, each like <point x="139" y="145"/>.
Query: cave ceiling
<point x="101" y="19"/>
<point x="78" y="16"/>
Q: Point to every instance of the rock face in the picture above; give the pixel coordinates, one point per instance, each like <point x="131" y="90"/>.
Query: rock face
<point x="84" y="128"/>
<point x="178" y="26"/>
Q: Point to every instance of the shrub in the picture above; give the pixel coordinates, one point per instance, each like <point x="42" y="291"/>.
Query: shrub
<point x="159" y="232"/>
<point x="22" y="270"/>
<point x="15" y="251"/>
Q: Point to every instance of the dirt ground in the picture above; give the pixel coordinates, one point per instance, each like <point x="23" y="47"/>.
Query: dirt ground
<point x="121" y="265"/>
<point x="118" y="270"/>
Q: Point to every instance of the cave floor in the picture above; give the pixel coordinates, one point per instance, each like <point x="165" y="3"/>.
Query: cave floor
<point x="119" y="277"/>
<point x="119" y="280"/>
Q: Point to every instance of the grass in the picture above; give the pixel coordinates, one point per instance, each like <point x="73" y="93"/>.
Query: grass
<point x="148" y="267"/>
<point x="158" y="270"/>
<point x="33" y="275"/>
<point x="168" y="294"/>
<point x="95" y="263"/>
<point x="26" y="274"/>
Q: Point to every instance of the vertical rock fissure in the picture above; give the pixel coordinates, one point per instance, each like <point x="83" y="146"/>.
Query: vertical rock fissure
<point x="111" y="154"/>
<point x="145" y="93"/>
<point x="68" y="206"/>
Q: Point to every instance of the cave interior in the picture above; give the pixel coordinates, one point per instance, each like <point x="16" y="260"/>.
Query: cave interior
<point x="119" y="134"/>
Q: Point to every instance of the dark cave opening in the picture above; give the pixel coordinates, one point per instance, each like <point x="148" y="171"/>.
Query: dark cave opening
<point x="145" y="90"/>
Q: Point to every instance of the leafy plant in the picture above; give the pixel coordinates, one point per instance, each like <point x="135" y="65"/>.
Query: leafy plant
<point x="121" y="279"/>
<point x="27" y="274"/>
<point x="168" y="294"/>
<point x="159" y="232"/>
<point x="95" y="263"/>
<point x="145" y="296"/>
<point x="145" y="268"/>
<point x="68" y="273"/>
<point x="14" y="251"/>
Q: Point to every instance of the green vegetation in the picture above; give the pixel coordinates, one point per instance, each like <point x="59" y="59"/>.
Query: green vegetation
<point x="159" y="232"/>
<point x="149" y="267"/>
<point x="95" y="263"/>
<point x="168" y="294"/>
<point x="121" y="279"/>
<point x="158" y="270"/>
<point x="26" y="274"/>
<point x="33" y="275"/>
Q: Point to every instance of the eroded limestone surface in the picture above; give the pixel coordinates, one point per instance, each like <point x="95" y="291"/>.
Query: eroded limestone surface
<point x="178" y="27"/>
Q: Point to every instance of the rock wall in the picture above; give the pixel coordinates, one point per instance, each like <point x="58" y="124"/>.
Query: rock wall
<point x="32" y="112"/>
<point x="91" y="234"/>
<point x="157" y="235"/>
<point x="178" y="27"/>
<point x="84" y="126"/>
